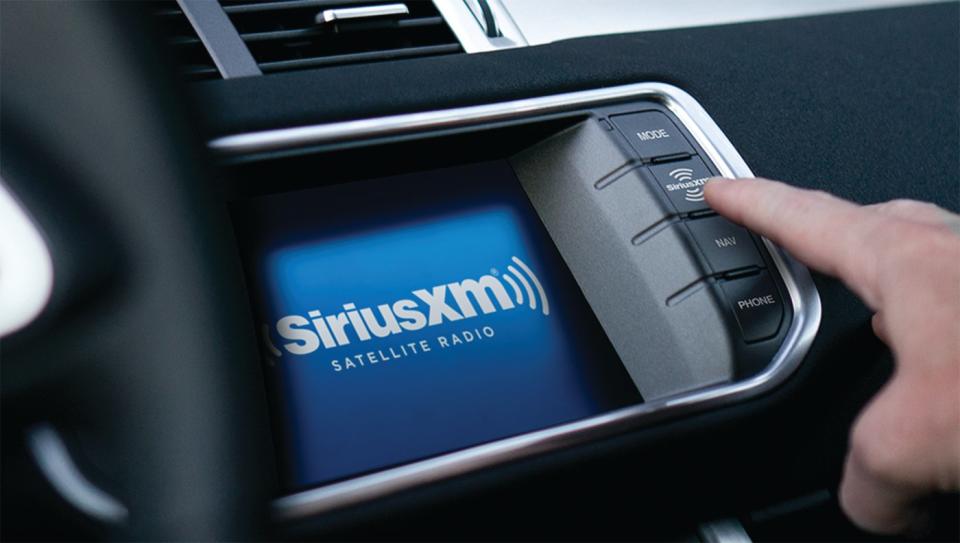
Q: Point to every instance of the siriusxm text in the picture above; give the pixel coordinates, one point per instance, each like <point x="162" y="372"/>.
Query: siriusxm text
<point x="434" y="306"/>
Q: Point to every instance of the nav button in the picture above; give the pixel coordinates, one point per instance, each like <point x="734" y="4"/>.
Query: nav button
<point x="756" y="304"/>
<point x="727" y="246"/>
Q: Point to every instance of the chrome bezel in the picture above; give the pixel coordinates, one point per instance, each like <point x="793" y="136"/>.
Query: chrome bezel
<point x="799" y="285"/>
<point x="471" y="34"/>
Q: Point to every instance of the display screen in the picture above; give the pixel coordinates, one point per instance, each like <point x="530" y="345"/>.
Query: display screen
<point x="410" y="316"/>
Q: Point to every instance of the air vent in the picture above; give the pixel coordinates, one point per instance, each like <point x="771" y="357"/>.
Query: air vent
<point x="190" y="53"/>
<point x="295" y="34"/>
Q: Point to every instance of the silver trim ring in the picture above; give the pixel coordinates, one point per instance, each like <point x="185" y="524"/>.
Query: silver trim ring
<point x="362" y="12"/>
<point x="800" y="288"/>
<point x="472" y="35"/>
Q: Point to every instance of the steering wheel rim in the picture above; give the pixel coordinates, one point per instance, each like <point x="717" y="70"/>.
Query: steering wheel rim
<point x="144" y="351"/>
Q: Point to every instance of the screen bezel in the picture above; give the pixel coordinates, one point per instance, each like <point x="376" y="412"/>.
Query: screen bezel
<point x="567" y="108"/>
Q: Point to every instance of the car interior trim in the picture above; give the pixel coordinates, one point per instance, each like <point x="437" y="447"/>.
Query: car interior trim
<point x="799" y="285"/>
<point x="362" y="12"/>
<point x="476" y="36"/>
<point x="316" y="134"/>
<point x="728" y="530"/>
<point x="484" y="15"/>
<point x="220" y="38"/>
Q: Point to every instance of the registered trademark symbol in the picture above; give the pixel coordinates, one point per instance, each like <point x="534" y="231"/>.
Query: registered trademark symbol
<point x="494" y="271"/>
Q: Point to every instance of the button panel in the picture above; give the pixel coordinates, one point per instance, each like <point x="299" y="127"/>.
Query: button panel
<point x="672" y="161"/>
<point x="757" y="305"/>
<point x="652" y="134"/>
<point x="683" y="181"/>
<point x="726" y="245"/>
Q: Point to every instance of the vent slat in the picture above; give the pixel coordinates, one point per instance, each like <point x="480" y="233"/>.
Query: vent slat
<point x="355" y="58"/>
<point x="319" y="31"/>
<point x="187" y="49"/>
<point x="184" y="40"/>
<point x="201" y="72"/>
<point x="248" y="7"/>
<point x="169" y="12"/>
<point x="284" y="34"/>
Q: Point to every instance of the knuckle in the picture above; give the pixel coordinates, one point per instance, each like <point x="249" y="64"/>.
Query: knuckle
<point x="895" y="243"/>
<point x="910" y="244"/>
<point x="868" y="250"/>
<point x="822" y="195"/>
<point x="879" y="327"/>
<point x="889" y="448"/>
<point x="915" y="211"/>
<point x="875" y="460"/>
<point x="905" y="205"/>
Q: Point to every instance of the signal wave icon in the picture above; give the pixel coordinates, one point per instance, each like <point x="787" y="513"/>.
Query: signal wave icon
<point x="530" y="283"/>
<point x="685" y="175"/>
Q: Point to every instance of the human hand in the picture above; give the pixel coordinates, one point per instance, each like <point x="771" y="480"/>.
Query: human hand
<point x="902" y="258"/>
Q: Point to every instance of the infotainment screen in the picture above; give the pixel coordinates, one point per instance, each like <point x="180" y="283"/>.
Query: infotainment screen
<point x="410" y="316"/>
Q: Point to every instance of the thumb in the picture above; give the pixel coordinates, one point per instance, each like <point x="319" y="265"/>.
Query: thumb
<point x="884" y="478"/>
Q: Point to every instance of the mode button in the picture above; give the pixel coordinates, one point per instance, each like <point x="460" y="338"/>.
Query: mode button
<point x="652" y="134"/>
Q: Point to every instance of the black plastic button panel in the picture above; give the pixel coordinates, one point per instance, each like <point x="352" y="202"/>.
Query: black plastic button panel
<point x="757" y="305"/>
<point x="730" y="253"/>
<point x="652" y="134"/>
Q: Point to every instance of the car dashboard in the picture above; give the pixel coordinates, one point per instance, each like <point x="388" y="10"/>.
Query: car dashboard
<point x="445" y="268"/>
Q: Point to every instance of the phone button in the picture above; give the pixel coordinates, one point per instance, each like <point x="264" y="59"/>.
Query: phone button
<point x="756" y="304"/>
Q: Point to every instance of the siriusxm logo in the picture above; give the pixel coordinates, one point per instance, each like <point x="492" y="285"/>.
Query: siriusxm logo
<point x="427" y="307"/>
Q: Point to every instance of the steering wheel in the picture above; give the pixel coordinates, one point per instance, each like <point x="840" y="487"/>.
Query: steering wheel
<point x="142" y="363"/>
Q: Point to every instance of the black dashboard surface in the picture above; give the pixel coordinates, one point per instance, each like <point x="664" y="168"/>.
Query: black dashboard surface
<point x="857" y="103"/>
<point x="864" y="105"/>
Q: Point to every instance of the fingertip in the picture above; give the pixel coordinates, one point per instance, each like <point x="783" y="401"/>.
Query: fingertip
<point x="716" y="182"/>
<point x="715" y="186"/>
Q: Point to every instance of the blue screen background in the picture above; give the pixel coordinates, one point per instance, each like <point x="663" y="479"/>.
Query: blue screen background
<point x="309" y="253"/>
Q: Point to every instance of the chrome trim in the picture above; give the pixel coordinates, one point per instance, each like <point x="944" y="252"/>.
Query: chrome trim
<point x="216" y="31"/>
<point x="484" y="16"/>
<point x="362" y="12"/>
<point x="800" y="289"/>
<point x="26" y="267"/>
<point x="472" y="35"/>
<point x="54" y="461"/>
<point x="728" y="530"/>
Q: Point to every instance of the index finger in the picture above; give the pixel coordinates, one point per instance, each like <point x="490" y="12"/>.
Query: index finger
<point x="828" y="234"/>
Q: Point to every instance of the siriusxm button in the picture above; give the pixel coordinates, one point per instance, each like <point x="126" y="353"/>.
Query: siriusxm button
<point x="756" y="304"/>
<point x="727" y="246"/>
<point x="683" y="182"/>
<point x="652" y="134"/>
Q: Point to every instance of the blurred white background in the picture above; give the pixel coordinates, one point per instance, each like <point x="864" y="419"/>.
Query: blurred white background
<point x="542" y="21"/>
